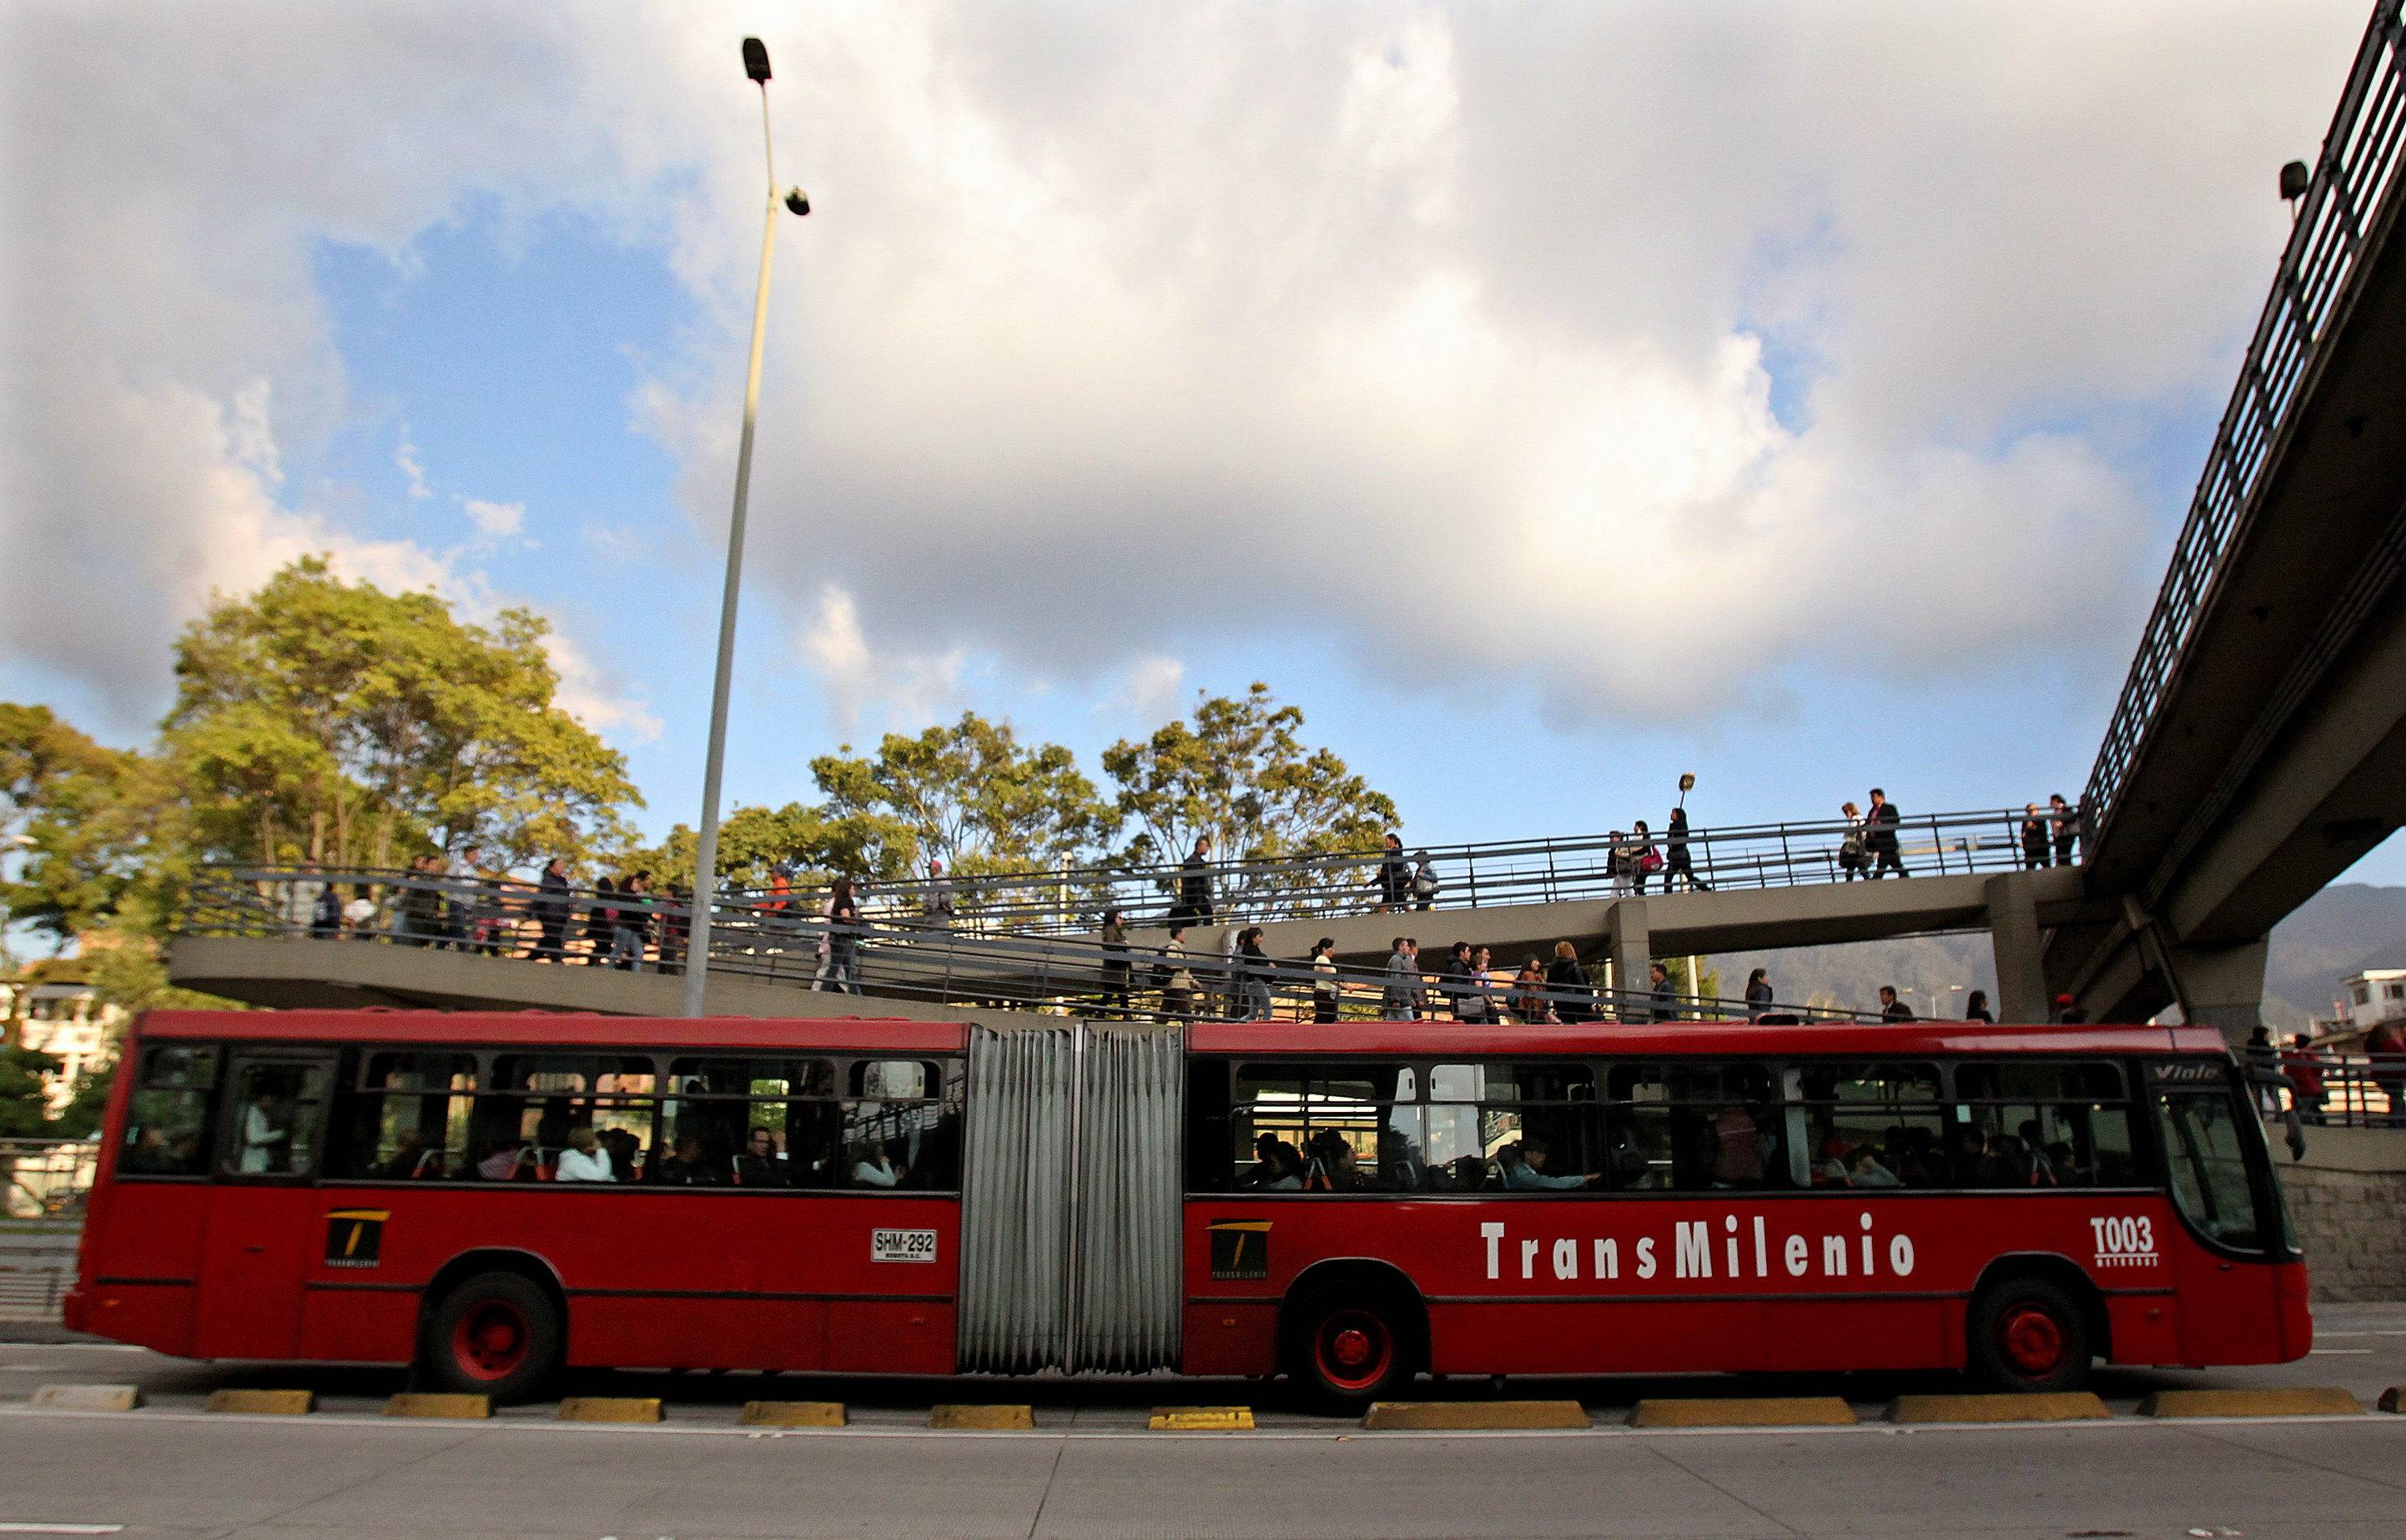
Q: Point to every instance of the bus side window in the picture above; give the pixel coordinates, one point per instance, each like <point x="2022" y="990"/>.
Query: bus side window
<point x="1875" y="1125"/>
<point x="2205" y="1156"/>
<point x="1693" y="1127"/>
<point x="167" y="1119"/>
<point x="2040" y="1124"/>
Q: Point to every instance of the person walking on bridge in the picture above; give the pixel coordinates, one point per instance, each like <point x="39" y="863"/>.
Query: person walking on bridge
<point x="2067" y="828"/>
<point x="1402" y="999"/>
<point x="1195" y="884"/>
<point x="1394" y="877"/>
<point x="1644" y="859"/>
<point x="1675" y="844"/>
<point x="551" y="907"/>
<point x="1758" y="994"/>
<point x="1880" y="837"/>
<point x="2035" y="838"/>
<point x="1893" y="1008"/>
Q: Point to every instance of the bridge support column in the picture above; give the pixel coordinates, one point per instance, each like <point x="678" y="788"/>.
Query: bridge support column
<point x="1633" y="946"/>
<point x="2014" y="937"/>
<point x="2223" y="987"/>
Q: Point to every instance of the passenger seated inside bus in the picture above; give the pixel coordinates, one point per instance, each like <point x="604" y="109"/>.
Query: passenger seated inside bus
<point x="760" y="1166"/>
<point x="1524" y="1170"/>
<point x="1332" y="1168"/>
<point x="584" y="1160"/>
<point x="626" y="1154"/>
<point x="879" y="1164"/>
<point x="411" y="1161"/>
<point x="503" y="1160"/>
<point x="687" y="1166"/>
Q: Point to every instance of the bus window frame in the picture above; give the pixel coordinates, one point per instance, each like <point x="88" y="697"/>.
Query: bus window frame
<point x="2273" y="1227"/>
<point x="226" y="1164"/>
<point x="137" y="1062"/>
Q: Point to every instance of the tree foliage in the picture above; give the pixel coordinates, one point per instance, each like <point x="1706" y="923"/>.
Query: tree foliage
<point x="1238" y="772"/>
<point x="753" y="840"/>
<point x="83" y="822"/>
<point x="970" y="795"/>
<point x="335" y="721"/>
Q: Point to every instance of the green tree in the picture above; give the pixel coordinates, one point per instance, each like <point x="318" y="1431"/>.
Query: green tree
<point x="1238" y="772"/>
<point x="751" y="840"/>
<point x="970" y="795"/>
<point x="25" y="1093"/>
<point x="336" y="721"/>
<point x="77" y="822"/>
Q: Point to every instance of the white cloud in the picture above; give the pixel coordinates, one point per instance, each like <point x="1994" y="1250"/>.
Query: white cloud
<point x="1150" y="691"/>
<point x="904" y="691"/>
<point x="1436" y="333"/>
<point x="495" y="521"/>
<point x="600" y="701"/>
<point x="406" y="459"/>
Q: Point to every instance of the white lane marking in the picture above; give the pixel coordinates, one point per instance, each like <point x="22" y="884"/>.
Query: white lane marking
<point x="76" y="1348"/>
<point x="61" y="1528"/>
<point x="2340" y="1352"/>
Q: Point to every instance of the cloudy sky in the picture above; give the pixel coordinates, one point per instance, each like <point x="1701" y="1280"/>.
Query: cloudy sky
<point x="1548" y="398"/>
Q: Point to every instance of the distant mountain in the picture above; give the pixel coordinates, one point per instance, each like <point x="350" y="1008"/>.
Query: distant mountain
<point x="2342" y="930"/>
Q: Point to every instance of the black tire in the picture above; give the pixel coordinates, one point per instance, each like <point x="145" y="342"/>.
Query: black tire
<point x="1346" y="1348"/>
<point x="2027" y="1334"/>
<point x="497" y="1335"/>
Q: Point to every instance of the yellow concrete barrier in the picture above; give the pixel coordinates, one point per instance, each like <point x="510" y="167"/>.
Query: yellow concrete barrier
<point x="1203" y="1419"/>
<point x="2055" y="1407"/>
<point x="794" y="1413"/>
<point x="609" y="1409"/>
<point x="87" y="1398"/>
<point x="2309" y="1401"/>
<point x="1452" y="1415"/>
<point x="262" y="1403"/>
<point x="981" y="1417"/>
<point x="1770" y="1411"/>
<point x="434" y="1404"/>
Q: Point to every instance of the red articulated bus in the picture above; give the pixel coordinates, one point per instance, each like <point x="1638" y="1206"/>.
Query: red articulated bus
<point x="491" y="1197"/>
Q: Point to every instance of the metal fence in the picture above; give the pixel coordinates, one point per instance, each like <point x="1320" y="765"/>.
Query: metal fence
<point x="45" y="1182"/>
<point x="899" y="956"/>
<point x="2337" y="1090"/>
<point x="2352" y="182"/>
<point x="42" y="1178"/>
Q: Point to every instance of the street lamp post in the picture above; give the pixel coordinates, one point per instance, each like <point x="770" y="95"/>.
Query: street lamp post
<point x="706" y="858"/>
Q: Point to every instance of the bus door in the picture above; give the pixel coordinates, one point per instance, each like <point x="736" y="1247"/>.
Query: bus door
<point x="264" y="1209"/>
<point x="2219" y="1174"/>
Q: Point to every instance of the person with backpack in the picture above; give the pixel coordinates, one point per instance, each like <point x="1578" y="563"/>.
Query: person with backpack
<point x="1425" y="886"/>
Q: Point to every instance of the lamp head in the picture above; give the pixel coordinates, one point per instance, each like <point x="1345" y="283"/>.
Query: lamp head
<point x="755" y="60"/>
<point x="797" y="200"/>
<point x="2295" y="179"/>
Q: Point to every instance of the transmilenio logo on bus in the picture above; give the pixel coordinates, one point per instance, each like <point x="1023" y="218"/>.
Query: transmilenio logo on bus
<point x="1240" y="1249"/>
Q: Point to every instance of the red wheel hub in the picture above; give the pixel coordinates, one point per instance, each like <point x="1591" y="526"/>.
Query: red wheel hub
<point x="1354" y="1349"/>
<point x="489" y="1341"/>
<point x="2032" y="1340"/>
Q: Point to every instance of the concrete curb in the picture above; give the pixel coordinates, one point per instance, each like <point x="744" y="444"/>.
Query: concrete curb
<point x="434" y="1404"/>
<point x="986" y="1418"/>
<point x="1452" y="1415"/>
<point x="262" y="1403"/>
<point x="608" y="1408"/>
<point x="1202" y="1420"/>
<point x="2312" y="1401"/>
<point x="794" y="1413"/>
<point x="2057" y="1406"/>
<point x="1798" y="1411"/>
<point x="87" y="1398"/>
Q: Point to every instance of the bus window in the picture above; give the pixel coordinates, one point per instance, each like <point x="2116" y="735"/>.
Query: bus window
<point x="2041" y="1125"/>
<point x="408" y="1119"/>
<point x="168" y="1121"/>
<point x="745" y="1122"/>
<point x="1526" y="1126"/>
<point x="277" y="1110"/>
<point x="1692" y="1127"/>
<point x="2205" y="1154"/>
<point x="519" y="1130"/>
<point x="901" y="1126"/>
<point x="1325" y="1129"/>
<point x="1875" y="1125"/>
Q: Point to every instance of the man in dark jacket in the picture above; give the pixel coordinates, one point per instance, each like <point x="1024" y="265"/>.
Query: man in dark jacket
<point x="1880" y="836"/>
<point x="1394" y="878"/>
<point x="551" y="912"/>
<point x="1195" y="884"/>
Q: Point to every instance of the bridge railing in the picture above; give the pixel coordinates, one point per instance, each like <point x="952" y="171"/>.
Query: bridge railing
<point x="2337" y="1090"/>
<point x="893" y="957"/>
<point x="2353" y="180"/>
<point x="1474" y="876"/>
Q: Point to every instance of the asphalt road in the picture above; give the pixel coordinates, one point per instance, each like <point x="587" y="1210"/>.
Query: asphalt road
<point x="1092" y="1468"/>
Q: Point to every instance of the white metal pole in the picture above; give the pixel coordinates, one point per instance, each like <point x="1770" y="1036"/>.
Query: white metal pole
<point x="705" y="857"/>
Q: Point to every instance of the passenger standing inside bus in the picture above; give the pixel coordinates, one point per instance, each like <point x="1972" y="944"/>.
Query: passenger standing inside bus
<point x="1324" y="979"/>
<point x="2035" y="838"/>
<point x="1115" y="1002"/>
<point x="267" y="1135"/>
<point x="1402" y="999"/>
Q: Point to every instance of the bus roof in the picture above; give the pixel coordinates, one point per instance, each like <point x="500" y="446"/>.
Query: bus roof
<point x="561" y="1029"/>
<point x="567" y="1029"/>
<point x="1856" y="1038"/>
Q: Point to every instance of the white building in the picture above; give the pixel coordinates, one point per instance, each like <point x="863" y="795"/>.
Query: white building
<point x="2375" y="995"/>
<point x="68" y="1021"/>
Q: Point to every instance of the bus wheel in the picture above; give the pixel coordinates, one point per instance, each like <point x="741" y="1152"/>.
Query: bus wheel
<point x="2028" y="1335"/>
<point x="496" y="1334"/>
<point x="1347" y="1350"/>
